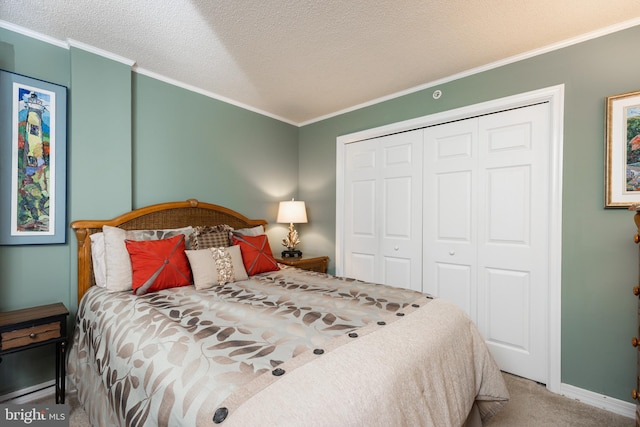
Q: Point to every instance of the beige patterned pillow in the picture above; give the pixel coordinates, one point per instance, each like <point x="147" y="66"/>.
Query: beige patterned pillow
<point x="210" y="237"/>
<point x="214" y="266"/>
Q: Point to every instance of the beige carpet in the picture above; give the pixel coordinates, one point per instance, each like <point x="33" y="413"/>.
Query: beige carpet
<point x="531" y="405"/>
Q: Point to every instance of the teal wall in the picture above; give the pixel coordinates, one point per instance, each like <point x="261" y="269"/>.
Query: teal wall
<point x="189" y="145"/>
<point x="101" y="137"/>
<point x="135" y="141"/>
<point x="599" y="258"/>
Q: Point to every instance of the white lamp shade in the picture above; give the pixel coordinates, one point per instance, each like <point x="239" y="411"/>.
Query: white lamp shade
<point x="292" y="212"/>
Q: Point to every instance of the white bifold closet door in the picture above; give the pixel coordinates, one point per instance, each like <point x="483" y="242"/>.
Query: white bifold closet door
<point x="383" y="210"/>
<point x="485" y="227"/>
<point x="461" y="211"/>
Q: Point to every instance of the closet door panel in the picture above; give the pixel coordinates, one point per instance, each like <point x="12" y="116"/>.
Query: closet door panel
<point x="449" y="213"/>
<point x="361" y="253"/>
<point x="395" y="245"/>
<point x="383" y="226"/>
<point x="401" y="219"/>
<point x="454" y="282"/>
<point x="507" y="304"/>
<point x="509" y="202"/>
<point x="453" y="206"/>
<point x="363" y="196"/>
<point x="513" y="237"/>
<point x="397" y="208"/>
<point x="396" y="271"/>
<point x="360" y="211"/>
<point x="362" y="266"/>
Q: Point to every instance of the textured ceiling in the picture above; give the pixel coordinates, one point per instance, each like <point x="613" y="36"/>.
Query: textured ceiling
<point x="299" y="60"/>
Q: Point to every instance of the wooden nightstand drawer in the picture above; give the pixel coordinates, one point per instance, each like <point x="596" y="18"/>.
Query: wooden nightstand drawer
<point x="31" y="335"/>
<point x="318" y="264"/>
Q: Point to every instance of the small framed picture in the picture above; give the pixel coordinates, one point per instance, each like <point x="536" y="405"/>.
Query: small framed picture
<point x="622" y="158"/>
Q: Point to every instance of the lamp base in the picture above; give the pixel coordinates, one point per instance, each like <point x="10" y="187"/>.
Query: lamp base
<point x="291" y="253"/>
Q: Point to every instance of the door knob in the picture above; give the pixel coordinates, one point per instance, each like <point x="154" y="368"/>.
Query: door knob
<point x="395" y="248"/>
<point x="452" y="253"/>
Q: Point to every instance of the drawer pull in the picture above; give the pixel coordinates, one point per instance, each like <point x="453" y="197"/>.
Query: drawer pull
<point x="33" y="335"/>
<point x="634" y="394"/>
<point x="635" y="342"/>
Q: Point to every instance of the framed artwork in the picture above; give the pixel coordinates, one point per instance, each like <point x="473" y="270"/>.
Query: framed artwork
<point x="622" y="166"/>
<point x="33" y="161"/>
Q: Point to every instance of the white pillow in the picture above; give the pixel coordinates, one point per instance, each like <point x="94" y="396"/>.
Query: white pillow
<point x="213" y="266"/>
<point x="252" y="231"/>
<point x="97" y="258"/>
<point x="117" y="262"/>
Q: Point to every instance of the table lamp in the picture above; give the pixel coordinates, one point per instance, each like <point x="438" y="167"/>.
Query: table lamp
<point x="291" y="212"/>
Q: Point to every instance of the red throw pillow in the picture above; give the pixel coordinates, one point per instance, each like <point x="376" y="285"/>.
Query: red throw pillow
<point x="256" y="254"/>
<point x="158" y="264"/>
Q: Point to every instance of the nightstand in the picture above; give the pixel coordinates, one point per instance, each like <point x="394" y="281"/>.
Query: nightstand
<point x="318" y="264"/>
<point x="33" y="327"/>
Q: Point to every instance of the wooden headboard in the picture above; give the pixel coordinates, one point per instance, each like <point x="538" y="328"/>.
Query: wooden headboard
<point x="154" y="217"/>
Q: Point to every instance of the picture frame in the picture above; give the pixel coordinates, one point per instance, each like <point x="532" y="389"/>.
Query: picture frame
<point x="622" y="164"/>
<point x="33" y="160"/>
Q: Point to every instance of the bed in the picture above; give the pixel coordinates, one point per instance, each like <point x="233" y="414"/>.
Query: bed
<point x="266" y="344"/>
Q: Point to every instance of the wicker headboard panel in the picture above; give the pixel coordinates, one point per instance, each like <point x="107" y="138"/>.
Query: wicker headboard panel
<point x="155" y="217"/>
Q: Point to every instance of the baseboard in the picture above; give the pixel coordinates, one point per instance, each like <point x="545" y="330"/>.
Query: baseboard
<point x="597" y="400"/>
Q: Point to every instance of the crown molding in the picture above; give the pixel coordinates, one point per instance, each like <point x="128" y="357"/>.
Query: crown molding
<point x="33" y="34"/>
<point x="556" y="46"/>
<point x="100" y="52"/>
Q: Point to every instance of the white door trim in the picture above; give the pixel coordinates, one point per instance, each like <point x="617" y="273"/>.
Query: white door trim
<point x="555" y="96"/>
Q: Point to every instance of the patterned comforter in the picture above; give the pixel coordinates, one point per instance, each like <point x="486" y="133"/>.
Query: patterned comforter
<point x="186" y="357"/>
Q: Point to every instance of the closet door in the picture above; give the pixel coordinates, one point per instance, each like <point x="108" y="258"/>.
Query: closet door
<point x="486" y="228"/>
<point x="450" y="213"/>
<point x="513" y="235"/>
<point x="383" y="191"/>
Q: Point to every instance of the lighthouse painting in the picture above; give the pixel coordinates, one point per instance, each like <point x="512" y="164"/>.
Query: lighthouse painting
<point x="33" y="171"/>
<point x="32" y="160"/>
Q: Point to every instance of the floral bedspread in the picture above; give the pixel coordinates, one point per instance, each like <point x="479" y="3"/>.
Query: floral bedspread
<point x="181" y="356"/>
